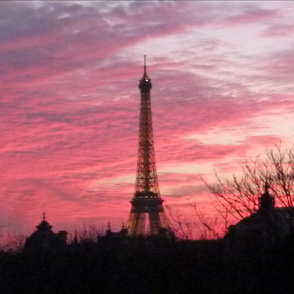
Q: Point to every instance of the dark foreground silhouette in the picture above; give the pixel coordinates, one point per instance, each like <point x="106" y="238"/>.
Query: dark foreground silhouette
<point x="150" y="265"/>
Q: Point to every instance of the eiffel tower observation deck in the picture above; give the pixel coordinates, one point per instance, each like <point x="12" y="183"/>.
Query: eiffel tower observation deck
<point x="147" y="216"/>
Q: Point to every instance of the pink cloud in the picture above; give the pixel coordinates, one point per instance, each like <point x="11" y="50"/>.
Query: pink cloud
<point x="251" y="13"/>
<point x="279" y="30"/>
<point x="69" y="104"/>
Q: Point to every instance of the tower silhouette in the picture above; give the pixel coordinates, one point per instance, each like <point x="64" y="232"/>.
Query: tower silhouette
<point x="147" y="214"/>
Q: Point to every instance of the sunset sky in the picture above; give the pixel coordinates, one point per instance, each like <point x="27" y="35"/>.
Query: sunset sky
<point x="223" y="84"/>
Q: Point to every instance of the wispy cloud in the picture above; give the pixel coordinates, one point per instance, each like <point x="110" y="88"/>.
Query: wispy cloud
<point x="69" y="100"/>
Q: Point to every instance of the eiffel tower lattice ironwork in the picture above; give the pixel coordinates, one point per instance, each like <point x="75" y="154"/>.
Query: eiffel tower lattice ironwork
<point x="147" y="215"/>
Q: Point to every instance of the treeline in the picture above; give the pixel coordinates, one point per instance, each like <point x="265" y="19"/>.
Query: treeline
<point x="149" y="265"/>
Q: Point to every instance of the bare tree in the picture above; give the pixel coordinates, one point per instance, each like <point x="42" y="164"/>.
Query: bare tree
<point x="89" y="233"/>
<point x="14" y="243"/>
<point x="238" y="196"/>
<point x="200" y="226"/>
<point x="182" y="227"/>
<point x="210" y="227"/>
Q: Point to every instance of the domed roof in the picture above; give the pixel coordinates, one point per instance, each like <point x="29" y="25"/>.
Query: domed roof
<point x="42" y="238"/>
<point x="266" y="201"/>
<point x="266" y="226"/>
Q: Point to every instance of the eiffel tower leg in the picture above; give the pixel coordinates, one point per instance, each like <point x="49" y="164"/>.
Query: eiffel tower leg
<point x="141" y="223"/>
<point x="136" y="223"/>
<point x="154" y="222"/>
<point x="163" y="220"/>
<point x="132" y="223"/>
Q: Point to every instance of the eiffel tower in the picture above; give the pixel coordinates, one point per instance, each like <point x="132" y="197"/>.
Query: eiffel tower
<point x="147" y="215"/>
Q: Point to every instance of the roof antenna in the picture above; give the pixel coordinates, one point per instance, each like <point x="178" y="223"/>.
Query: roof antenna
<point x="266" y="185"/>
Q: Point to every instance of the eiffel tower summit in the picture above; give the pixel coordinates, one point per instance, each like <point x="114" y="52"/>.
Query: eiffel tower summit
<point x="147" y="215"/>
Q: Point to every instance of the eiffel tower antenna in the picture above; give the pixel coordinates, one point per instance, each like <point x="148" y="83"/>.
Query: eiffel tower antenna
<point x="145" y="74"/>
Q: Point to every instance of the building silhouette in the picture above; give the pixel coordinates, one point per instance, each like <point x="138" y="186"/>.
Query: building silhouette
<point x="147" y="216"/>
<point x="267" y="227"/>
<point x="123" y="233"/>
<point x="44" y="238"/>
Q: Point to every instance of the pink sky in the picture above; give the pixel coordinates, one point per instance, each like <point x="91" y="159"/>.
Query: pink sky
<point x="222" y="75"/>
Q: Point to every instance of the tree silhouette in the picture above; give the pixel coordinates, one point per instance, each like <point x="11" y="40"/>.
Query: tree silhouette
<point x="237" y="196"/>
